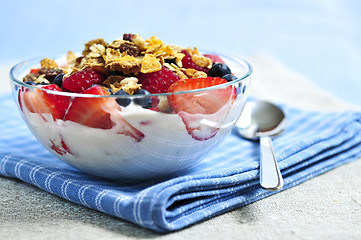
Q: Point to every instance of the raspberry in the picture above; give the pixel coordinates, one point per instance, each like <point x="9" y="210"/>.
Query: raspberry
<point x="79" y="81"/>
<point x="187" y="62"/>
<point x="157" y="82"/>
<point x="214" y="58"/>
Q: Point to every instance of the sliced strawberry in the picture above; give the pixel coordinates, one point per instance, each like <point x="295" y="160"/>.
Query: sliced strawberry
<point x="96" y="112"/>
<point x="198" y="125"/>
<point x="199" y="111"/>
<point x="38" y="101"/>
<point x="35" y="70"/>
<point x="214" y="58"/>
<point x="89" y="111"/>
<point x="61" y="102"/>
<point x="207" y="102"/>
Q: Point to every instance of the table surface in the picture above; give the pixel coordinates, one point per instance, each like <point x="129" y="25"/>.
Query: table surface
<point x="310" y="48"/>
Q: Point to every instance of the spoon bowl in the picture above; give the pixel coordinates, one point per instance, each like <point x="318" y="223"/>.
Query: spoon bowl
<point x="261" y="120"/>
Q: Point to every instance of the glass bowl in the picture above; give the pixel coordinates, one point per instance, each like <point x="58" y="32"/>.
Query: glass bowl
<point x="140" y="143"/>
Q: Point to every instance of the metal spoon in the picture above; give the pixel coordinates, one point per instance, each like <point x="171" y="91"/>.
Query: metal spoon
<point x="261" y="120"/>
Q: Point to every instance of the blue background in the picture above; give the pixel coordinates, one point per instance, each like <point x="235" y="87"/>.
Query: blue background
<point x="319" y="38"/>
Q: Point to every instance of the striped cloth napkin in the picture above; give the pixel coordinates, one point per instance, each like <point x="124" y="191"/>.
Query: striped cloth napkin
<point x="228" y="178"/>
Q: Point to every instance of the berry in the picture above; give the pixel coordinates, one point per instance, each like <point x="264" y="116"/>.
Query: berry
<point x="79" y="81"/>
<point x="219" y="70"/>
<point x="89" y="111"/>
<point x="58" y="80"/>
<point x="123" y="101"/>
<point x="50" y="73"/>
<point x="197" y="129"/>
<point x="229" y="77"/>
<point x="187" y="62"/>
<point x="61" y="102"/>
<point x="193" y="107"/>
<point x="115" y="73"/>
<point x="157" y="82"/>
<point x="208" y="102"/>
<point x="105" y="88"/>
<point x="145" y="102"/>
<point x="39" y="101"/>
<point x="30" y="83"/>
<point x="214" y="58"/>
<point x="96" y="112"/>
<point x="170" y="61"/>
<point x="35" y="70"/>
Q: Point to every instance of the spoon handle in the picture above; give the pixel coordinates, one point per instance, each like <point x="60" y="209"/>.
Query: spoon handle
<point x="271" y="178"/>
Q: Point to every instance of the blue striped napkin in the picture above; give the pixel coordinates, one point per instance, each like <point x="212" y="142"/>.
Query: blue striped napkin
<point x="228" y="178"/>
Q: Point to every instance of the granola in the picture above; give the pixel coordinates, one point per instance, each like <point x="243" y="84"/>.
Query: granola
<point x="129" y="57"/>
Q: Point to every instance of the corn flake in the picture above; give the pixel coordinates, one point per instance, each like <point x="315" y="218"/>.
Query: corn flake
<point x="150" y="64"/>
<point x="176" y="70"/>
<point x="70" y="57"/>
<point x="124" y="63"/>
<point x="48" y="63"/>
<point x="152" y="44"/>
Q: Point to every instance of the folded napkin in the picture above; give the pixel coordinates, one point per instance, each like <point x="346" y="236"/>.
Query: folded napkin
<point x="313" y="143"/>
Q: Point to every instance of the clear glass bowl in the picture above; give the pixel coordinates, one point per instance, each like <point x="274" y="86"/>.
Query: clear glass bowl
<point x="139" y="143"/>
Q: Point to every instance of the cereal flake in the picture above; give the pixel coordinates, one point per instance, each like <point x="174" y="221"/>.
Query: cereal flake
<point x="150" y="64"/>
<point x="48" y="63"/>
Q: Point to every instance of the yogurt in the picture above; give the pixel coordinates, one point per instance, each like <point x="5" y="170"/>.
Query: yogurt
<point x="167" y="146"/>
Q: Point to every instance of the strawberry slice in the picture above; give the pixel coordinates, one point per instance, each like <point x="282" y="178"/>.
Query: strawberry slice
<point x="35" y="70"/>
<point x="207" y="102"/>
<point x="39" y="101"/>
<point x="61" y="102"/>
<point x="200" y="111"/>
<point x="88" y="111"/>
<point x="96" y="112"/>
<point x="200" y="127"/>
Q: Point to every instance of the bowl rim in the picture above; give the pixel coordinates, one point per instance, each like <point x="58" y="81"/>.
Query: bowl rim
<point x="239" y="61"/>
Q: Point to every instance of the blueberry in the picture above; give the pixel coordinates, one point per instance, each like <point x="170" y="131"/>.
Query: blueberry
<point x="123" y="101"/>
<point x="219" y="70"/>
<point x="170" y="61"/>
<point x="145" y="102"/>
<point x="115" y="73"/>
<point x="30" y="83"/>
<point x="58" y="80"/>
<point x="229" y="77"/>
<point x="43" y="83"/>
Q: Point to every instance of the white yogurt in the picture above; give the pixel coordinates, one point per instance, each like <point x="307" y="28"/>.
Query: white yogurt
<point x="167" y="147"/>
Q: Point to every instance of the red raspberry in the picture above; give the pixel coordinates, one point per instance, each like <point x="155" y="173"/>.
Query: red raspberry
<point x="157" y="82"/>
<point x="79" y="81"/>
<point x="214" y="58"/>
<point x="187" y="62"/>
